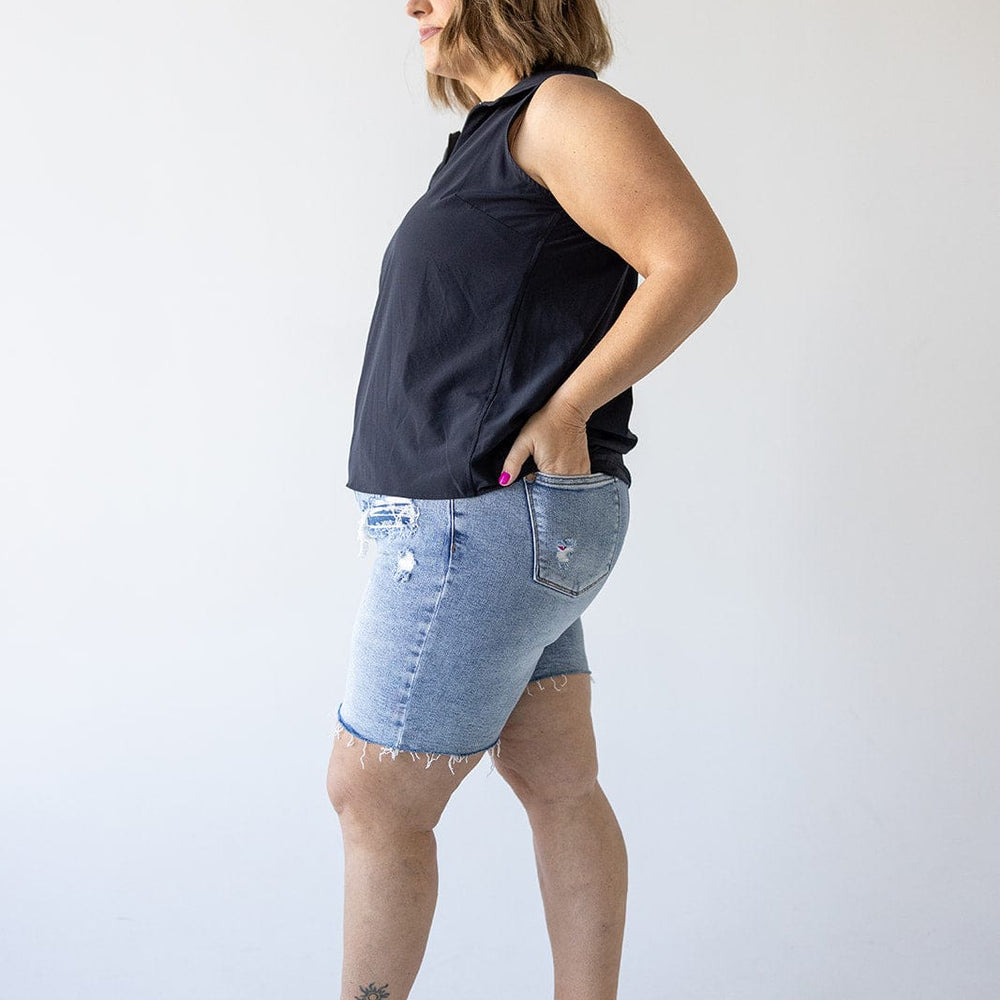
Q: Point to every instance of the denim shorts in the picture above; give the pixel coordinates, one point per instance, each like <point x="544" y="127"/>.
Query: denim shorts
<point x="469" y="601"/>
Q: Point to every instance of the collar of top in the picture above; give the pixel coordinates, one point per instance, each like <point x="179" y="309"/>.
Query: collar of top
<point x="526" y="82"/>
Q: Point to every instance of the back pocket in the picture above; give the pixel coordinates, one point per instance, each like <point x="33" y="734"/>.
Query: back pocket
<point x="576" y="524"/>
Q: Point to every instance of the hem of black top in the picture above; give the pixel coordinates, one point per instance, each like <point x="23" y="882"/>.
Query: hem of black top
<point x="598" y="463"/>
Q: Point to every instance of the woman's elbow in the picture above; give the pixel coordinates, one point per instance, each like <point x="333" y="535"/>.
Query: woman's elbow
<point x="727" y="267"/>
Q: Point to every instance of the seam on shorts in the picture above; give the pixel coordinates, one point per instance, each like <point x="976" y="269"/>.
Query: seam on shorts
<point x="444" y="586"/>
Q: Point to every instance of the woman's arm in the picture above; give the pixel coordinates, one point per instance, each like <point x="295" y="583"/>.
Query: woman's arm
<point x="610" y="167"/>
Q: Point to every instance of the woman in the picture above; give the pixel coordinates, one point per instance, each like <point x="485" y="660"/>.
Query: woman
<point x="490" y="423"/>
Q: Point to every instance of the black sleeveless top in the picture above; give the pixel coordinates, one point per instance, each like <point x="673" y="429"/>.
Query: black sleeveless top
<point x="489" y="296"/>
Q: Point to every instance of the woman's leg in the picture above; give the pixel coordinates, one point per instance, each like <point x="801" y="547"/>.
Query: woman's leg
<point x="549" y="758"/>
<point x="387" y="810"/>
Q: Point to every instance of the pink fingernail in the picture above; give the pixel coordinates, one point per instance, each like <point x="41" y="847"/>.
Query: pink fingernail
<point x="504" y="478"/>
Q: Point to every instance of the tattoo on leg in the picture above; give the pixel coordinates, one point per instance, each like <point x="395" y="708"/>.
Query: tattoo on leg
<point x="373" y="992"/>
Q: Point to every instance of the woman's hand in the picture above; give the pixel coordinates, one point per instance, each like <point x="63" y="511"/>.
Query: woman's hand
<point x="556" y="437"/>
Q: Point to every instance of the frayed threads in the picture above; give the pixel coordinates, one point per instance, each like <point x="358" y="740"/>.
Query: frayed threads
<point x="453" y="759"/>
<point x="384" y="517"/>
<point x="555" y="684"/>
<point x="363" y="537"/>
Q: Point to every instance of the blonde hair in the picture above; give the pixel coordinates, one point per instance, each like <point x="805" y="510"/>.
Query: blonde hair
<point x="527" y="35"/>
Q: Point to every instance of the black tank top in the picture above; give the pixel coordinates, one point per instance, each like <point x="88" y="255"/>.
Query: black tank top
<point x="489" y="296"/>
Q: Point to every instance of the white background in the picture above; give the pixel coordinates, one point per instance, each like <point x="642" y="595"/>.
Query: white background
<point x="796" y="660"/>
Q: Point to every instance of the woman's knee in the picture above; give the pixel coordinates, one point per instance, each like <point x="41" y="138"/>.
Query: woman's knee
<point x="400" y="793"/>
<point x="548" y="780"/>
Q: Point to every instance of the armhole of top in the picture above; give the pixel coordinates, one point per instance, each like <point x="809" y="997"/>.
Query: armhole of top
<point x="518" y="119"/>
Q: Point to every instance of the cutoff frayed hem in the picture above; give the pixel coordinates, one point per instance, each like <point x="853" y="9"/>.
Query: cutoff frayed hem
<point x="555" y="685"/>
<point x="492" y="751"/>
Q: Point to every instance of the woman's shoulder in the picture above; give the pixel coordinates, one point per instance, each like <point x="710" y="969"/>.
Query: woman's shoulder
<point x="578" y="96"/>
<point x="574" y="117"/>
<point x="565" y="110"/>
<point x="569" y="110"/>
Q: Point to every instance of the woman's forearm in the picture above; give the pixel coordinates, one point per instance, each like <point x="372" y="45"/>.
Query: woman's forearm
<point x="669" y="305"/>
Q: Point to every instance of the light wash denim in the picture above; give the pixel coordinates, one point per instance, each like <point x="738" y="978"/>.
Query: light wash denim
<point x="471" y="600"/>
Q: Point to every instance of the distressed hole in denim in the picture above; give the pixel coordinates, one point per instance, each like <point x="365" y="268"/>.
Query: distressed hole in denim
<point x="386" y="517"/>
<point x="453" y="758"/>
<point x="404" y="565"/>
<point x="565" y="549"/>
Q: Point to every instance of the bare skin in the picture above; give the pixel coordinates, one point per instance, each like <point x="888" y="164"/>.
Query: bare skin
<point x="387" y="813"/>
